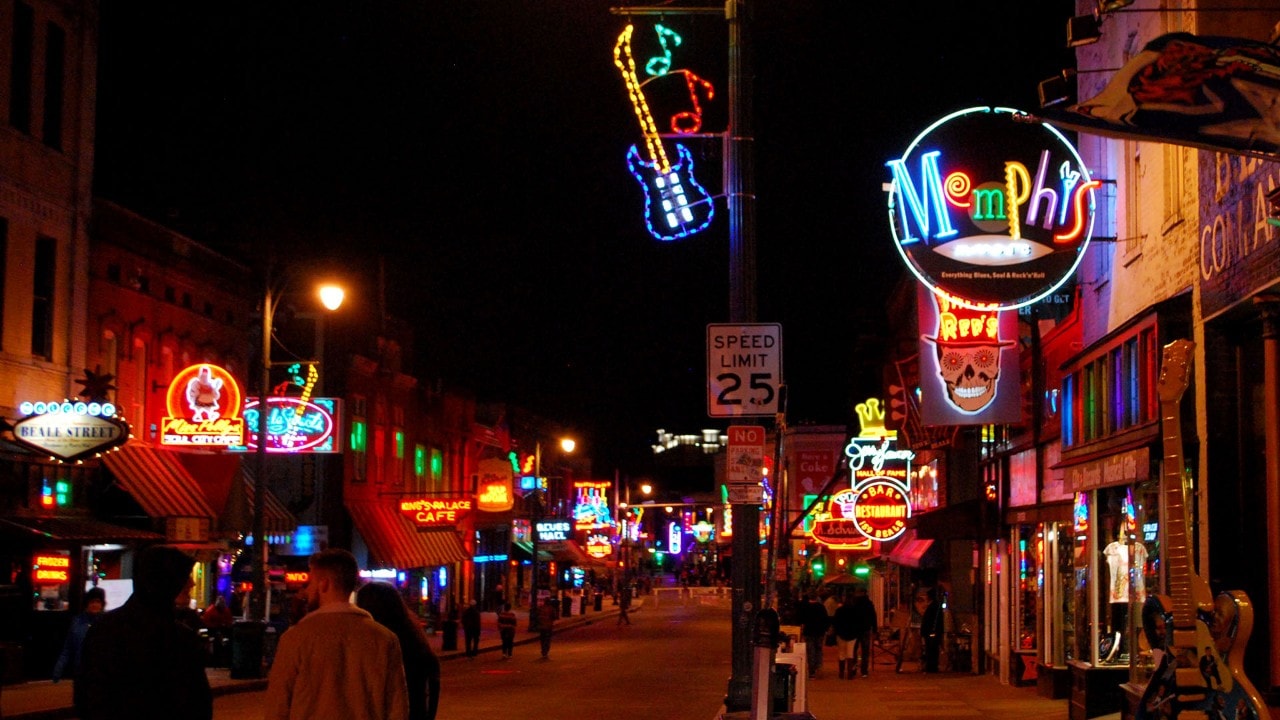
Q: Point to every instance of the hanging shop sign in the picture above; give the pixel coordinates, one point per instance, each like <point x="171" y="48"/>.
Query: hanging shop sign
<point x="294" y="425"/>
<point x="552" y="530"/>
<point x="675" y="538"/>
<point x="874" y="452"/>
<point x="675" y="205"/>
<point x="494" y="485"/>
<point x="880" y="509"/>
<point x="969" y="367"/>
<point x="993" y="206"/>
<point x="836" y="527"/>
<point x="69" y="430"/>
<point x="591" y="507"/>
<point x="599" y="546"/>
<point x="444" y="511"/>
<point x="203" y="409"/>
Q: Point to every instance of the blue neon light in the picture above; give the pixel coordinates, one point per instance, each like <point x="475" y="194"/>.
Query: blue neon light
<point x="683" y="207"/>
<point x="930" y="195"/>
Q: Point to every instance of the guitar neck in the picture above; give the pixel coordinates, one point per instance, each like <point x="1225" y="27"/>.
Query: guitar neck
<point x="626" y="63"/>
<point x="1177" y="547"/>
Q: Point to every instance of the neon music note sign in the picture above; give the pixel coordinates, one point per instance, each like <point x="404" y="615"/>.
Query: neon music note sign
<point x="679" y="203"/>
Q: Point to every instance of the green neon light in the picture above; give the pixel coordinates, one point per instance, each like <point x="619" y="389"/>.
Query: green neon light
<point x="419" y="460"/>
<point x="358" y="436"/>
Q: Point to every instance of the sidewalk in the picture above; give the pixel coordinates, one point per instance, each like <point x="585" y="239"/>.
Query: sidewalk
<point x="45" y="700"/>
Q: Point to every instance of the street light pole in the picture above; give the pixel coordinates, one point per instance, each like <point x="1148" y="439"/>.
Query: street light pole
<point x="535" y="515"/>
<point x="258" y="598"/>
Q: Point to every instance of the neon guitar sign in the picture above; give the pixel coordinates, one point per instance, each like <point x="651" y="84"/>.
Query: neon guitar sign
<point x="675" y="204"/>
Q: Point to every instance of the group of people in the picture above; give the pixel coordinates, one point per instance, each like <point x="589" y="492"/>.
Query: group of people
<point x="849" y="623"/>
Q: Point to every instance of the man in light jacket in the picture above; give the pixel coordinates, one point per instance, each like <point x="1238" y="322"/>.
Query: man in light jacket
<point x="337" y="663"/>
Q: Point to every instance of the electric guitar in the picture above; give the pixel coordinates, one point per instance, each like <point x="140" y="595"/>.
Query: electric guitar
<point x="1200" y="672"/>
<point x="675" y="205"/>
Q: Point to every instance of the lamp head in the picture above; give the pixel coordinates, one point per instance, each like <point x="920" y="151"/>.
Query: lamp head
<point x="568" y="444"/>
<point x="331" y="296"/>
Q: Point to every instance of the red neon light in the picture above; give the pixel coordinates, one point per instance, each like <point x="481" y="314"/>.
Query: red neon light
<point x="1078" y="198"/>
<point x="958" y="188"/>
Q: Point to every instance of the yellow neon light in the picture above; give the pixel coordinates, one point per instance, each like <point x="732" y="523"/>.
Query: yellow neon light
<point x="626" y="63"/>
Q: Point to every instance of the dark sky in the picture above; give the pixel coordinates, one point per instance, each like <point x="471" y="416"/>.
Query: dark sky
<point x="477" y="149"/>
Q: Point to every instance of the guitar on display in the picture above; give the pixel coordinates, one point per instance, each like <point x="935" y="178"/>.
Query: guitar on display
<point x="1199" y="641"/>
<point x="676" y="206"/>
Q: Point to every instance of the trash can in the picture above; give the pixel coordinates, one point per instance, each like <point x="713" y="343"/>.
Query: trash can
<point x="247" y="637"/>
<point x="599" y="602"/>
<point x="582" y="605"/>
<point x="566" y="606"/>
<point x="449" y="639"/>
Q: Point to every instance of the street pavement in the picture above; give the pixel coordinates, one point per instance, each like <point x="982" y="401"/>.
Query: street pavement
<point x="885" y="694"/>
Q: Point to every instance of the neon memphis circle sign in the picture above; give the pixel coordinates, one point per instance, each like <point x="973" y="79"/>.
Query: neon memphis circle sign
<point x="992" y="206"/>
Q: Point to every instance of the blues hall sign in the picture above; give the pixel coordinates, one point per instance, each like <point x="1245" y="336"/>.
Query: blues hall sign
<point x="992" y="206"/>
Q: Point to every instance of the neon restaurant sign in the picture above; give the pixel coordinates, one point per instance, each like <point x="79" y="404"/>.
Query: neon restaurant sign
<point x="294" y="425"/>
<point x="203" y="409"/>
<point x="990" y="205"/>
<point x="878" y="504"/>
<point x="436" y="512"/>
<point x="675" y="205"/>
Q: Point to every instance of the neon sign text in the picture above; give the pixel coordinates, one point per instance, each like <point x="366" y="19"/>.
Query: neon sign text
<point x="436" y="512"/>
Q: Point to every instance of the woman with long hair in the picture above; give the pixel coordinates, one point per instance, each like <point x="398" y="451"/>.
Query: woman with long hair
<point x="421" y="666"/>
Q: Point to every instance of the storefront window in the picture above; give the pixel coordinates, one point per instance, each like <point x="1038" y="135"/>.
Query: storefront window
<point x="1028" y="553"/>
<point x="1082" y="560"/>
<point x="1116" y="555"/>
<point x="1144" y="538"/>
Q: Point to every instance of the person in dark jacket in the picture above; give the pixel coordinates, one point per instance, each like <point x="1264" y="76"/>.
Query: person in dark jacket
<point x="138" y="661"/>
<point x="421" y="666"/>
<point x="845" y="624"/>
<point x="931" y="626"/>
<point x="471" y="629"/>
<point x="68" y="664"/>
<point x="864" y="619"/>
<point x="813" y="620"/>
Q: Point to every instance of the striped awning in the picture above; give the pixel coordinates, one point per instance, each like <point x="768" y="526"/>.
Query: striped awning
<point x="394" y="541"/>
<point x="276" y="518"/>
<point x="158" y="482"/>
<point x="910" y="550"/>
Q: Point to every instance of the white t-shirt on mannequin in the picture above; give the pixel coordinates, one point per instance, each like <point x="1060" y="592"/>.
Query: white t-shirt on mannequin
<point x="1117" y="554"/>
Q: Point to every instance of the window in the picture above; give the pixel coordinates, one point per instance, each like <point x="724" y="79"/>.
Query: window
<point x="20" y="69"/>
<point x="1114" y="391"/>
<point x="359" y="444"/>
<point x="419" y="468"/>
<point x="379" y="454"/>
<point x="1172" y="186"/>
<point x="396" y="469"/>
<point x="437" y="470"/>
<point x="55" y="49"/>
<point x="43" y="287"/>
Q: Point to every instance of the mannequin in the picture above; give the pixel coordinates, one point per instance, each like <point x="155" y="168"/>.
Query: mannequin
<point x="1117" y="554"/>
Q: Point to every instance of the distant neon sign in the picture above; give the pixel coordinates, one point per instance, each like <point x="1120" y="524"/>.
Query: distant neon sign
<point x="836" y="526"/>
<point x="591" y="509"/>
<point x="203" y="408"/>
<point x="675" y="538"/>
<point x="51" y="568"/>
<point x="599" y="546"/>
<point x="990" y="205"/>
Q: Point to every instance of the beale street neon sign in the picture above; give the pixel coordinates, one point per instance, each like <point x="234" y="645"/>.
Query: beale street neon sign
<point x="990" y="205"/>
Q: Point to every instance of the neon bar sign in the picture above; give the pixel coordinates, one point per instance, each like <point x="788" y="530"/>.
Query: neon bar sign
<point x="294" y="425"/>
<point x="203" y="405"/>
<point x="50" y="569"/>
<point x="999" y="211"/>
<point x="675" y="205"/>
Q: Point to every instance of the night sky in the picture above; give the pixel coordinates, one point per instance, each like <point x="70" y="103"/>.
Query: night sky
<point x="477" y="150"/>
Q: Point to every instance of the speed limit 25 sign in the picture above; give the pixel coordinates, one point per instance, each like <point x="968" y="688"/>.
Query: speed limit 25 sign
<point x="744" y="369"/>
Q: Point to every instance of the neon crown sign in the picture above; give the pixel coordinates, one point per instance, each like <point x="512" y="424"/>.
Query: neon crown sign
<point x="999" y="211"/>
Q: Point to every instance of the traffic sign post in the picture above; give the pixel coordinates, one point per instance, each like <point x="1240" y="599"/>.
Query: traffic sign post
<point x="744" y="369"/>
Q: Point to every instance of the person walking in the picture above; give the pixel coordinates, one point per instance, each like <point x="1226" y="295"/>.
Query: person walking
<point x="137" y="661"/>
<point x="813" y="620"/>
<point x="624" y="604"/>
<point x="507" y="630"/>
<point x="845" y="625"/>
<point x="931" y="625"/>
<point x="864" y="624"/>
<point x="471" y="629"/>
<point x="546" y="624"/>
<point x="421" y="666"/>
<point x="337" y="663"/>
<point x="68" y="663"/>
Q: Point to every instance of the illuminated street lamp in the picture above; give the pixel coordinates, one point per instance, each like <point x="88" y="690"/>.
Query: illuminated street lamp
<point x="646" y="489"/>
<point x="567" y="445"/>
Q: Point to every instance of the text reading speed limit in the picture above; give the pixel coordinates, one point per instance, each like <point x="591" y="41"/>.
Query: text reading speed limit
<point x="744" y="369"/>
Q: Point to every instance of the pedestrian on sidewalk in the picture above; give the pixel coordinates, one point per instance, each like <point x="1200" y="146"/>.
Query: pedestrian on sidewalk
<point x="507" y="630"/>
<point x="471" y="629"/>
<point x="546" y="623"/>
<point x="813" y="620"/>
<point x="337" y="663"/>
<point x="846" y="626"/>
<point x="421" y="666"/>
<point x="931" y="625"/>
<point x="864" y="619"/>
<point x="138" y="661"/>
<point x="624" y="605"/>
<point x="68" y="663"/>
